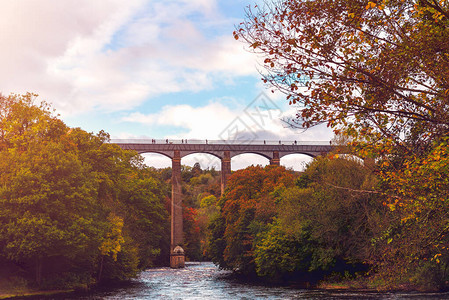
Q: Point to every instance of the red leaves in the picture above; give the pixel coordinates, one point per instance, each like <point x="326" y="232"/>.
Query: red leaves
<point x="236" y="36"/>
<point x="357" y="61"/>
<point x="249" y="201"/>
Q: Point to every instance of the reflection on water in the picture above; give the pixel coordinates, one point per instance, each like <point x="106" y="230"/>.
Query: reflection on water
<point x="206" y="281"/>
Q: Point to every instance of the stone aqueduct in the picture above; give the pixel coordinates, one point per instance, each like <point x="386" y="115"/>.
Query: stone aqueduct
<point x="224" y="150"/>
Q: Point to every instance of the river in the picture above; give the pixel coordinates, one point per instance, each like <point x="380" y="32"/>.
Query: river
<point x="205" y="281"/>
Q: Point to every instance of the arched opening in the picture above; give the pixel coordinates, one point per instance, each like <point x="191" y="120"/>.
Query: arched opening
<point x="296" y="161"/>
<point x="156" y="160"/>
<point x="199" y="191"/>
<point x="206" y="161"/>
<point x="245" y="160"/>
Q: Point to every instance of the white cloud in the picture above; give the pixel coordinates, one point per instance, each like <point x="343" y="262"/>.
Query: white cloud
<point x="217" y="121"/>
<point x="37" y="32"/>
<point x="114" y="55"/>
<point x="205" y="122"/>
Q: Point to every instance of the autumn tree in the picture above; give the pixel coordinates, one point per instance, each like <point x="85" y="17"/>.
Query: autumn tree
<point x="377" y="68"/>
<point x="376" y="71"/>
<point x="332" y="214"/>
<point x="198" y="184"/>
<point x="47" y="201"/>
<point x="74" y="208"/>
<point x="247" y="208"/>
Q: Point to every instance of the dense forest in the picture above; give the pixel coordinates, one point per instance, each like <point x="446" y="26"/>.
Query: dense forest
<point x="331" y="224"/>
<point x="74" y="209"/>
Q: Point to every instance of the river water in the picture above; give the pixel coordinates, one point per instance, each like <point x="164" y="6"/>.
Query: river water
<point x="205" y="281"/>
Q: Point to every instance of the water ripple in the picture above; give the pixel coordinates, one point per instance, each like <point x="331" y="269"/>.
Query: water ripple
<point x="204" y="281"/>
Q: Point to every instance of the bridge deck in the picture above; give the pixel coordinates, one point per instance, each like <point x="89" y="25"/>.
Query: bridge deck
<point x="217" y="147"/>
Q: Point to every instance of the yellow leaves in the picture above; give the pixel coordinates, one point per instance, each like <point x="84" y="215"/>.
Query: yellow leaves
<point x="351" y="15"/>
<point x="435" y="258"/>
<point x="255" y="45"/>
<point x="370" y="5"/>
<point x="438" y="16"/>
<point x="112" y="244"/>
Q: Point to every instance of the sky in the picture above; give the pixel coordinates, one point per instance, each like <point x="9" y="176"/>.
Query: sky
<point x="146" y="69"/>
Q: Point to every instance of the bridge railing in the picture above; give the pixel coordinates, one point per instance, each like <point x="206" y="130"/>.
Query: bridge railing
<point x="216" y="142"/>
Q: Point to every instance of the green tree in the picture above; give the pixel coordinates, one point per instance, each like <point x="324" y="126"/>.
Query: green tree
<point x="71" y="204"/>
<point x="46" y="194"/>
<point x="278" y="255"/>
<point x="336" y="205"/>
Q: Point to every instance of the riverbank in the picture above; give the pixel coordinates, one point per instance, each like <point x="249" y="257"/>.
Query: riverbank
<point x="31" y="293"/>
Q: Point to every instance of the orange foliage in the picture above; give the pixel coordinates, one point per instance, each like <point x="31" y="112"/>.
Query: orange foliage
<point x="249" y="203"/>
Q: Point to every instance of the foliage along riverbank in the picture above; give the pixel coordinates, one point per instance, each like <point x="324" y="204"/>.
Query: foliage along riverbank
<point x="74" y="209"/>
<point x="322" y="228"/>
<point x="376" y="72"/>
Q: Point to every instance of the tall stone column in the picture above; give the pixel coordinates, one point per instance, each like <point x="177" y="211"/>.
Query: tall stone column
<point x="275" y="160"/>
<point x="225" y="170"/>
<point x="176" y="204"/>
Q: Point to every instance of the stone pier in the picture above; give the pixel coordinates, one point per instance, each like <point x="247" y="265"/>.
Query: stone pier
<point x="275" y="160"/>
<point x="177" y="237"/>
<point x="225" y="169"/>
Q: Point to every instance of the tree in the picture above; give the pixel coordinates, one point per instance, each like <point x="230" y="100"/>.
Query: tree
<point x="73" y="205"/>
<point x="376" y="71"/>
<point x="330" y="207"/>
<point x="247" y="208"/>
<point x="372" y="68"/>
<point x="47" y="197"/>
<point x="278" y="254"/>
<point x="201" y="184"/>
